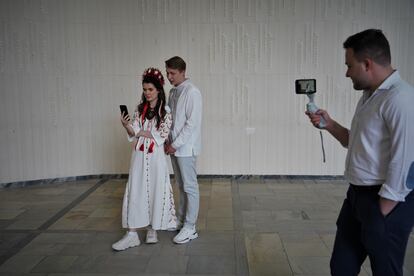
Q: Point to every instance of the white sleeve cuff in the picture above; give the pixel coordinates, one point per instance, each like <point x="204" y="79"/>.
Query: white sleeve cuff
<point x="389" y="193"/>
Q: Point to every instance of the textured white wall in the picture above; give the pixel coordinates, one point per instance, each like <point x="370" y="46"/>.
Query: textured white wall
<point x="66" y="65"/>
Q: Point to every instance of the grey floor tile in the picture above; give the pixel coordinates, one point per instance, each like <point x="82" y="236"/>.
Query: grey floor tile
<point x="235" y="215"/>
<point x="218" y="224"/>
<point x="82" y="274"/>
<point x="171" y="249"/>
<point x="8" y="213"/>
<point x="215" y="237"/>
<point x="275" y="268"/>
<point x="22" y="274"/>
<point x="26" y="224"/>
<point x="117" y="264"/>
<point x="55" y="264"/>
<point x="266" y="255"/>
<point x="63" y="237"/>
<point x="210" y="249"/>
<point x="211" y="265"/>
<point x="142" y="250"/>
<point x="4" y="223"/>
<point x="146" y="274"/>
<point x="310" y="265"/>
<point x="9" y="240"/>
<point x="202" y="274"/>
<point x="44" y="249"/>
<point x="167" y="264"/>
<point x="21" y="263"/>
<point x="310" y="248"/>
<point x="91" y="249"/>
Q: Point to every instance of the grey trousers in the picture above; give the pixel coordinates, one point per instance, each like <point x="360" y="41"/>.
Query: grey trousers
<point x="185" y="175"/>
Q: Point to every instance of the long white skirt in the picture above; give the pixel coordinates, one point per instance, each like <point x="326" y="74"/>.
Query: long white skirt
<point x="148" y="198"/>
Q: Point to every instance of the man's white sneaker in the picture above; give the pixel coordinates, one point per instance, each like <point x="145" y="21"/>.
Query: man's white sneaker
<point x="177" y="228"/>
<point x="186" y="234"/>
<point x="130" y="239"/>
<point x="151" y="236"/>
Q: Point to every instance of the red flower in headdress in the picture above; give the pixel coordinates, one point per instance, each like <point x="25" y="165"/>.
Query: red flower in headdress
<point x="154" y="73"/>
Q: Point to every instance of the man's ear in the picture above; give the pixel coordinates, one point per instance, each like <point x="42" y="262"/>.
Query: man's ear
<point x="367" y="64"/>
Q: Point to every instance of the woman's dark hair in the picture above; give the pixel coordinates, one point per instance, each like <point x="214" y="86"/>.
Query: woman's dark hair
<point x="160" y="107"/>
<point x="372" y="44"/>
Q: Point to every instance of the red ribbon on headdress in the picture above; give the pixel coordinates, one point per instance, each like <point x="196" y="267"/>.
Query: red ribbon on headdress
<point x="144" y="112"/>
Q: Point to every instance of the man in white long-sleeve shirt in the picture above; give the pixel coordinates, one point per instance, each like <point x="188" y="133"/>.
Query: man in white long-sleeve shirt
<point x="184" y="145"/>
<point x="377" y="215"/>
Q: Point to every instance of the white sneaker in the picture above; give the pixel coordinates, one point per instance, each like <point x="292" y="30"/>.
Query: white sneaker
<point x="130" y="239"/>
<point x="186" y="234"/>
<point x="177" y="228"/>
<point x="151" y="236"/>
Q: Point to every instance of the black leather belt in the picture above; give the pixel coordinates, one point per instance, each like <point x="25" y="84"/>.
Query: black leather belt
<point x="365" y="188"/>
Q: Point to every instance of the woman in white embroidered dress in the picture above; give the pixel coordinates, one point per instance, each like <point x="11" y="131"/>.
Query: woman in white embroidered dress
<point x="148" y="199"/>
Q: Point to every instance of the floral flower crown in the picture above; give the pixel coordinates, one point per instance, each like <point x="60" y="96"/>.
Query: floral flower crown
<point x="154" y="73"/>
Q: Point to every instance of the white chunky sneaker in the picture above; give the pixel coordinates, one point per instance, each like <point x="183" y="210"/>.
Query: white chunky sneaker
<point x="151" y="236"/>
<point x="177" y="228"/>
<point x="185" y="235"/>
<point x="131" y="239"/>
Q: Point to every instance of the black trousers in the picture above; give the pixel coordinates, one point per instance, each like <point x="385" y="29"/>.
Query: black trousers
<point x="363" y="231"/>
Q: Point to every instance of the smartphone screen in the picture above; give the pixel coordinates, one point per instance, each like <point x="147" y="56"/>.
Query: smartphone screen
<point x="123" y="109"/>
<point x="305" y="86"/>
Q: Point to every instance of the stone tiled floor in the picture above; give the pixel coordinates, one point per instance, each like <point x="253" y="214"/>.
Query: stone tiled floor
<point x="247" y="226"/>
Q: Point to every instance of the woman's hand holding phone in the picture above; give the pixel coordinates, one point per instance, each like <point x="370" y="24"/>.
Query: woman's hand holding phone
<point x="125" y="120"/>
<point x="124" y="115"/>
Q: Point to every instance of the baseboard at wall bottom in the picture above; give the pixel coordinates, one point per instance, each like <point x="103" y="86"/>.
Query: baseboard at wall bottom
<point x="28" y="183"/>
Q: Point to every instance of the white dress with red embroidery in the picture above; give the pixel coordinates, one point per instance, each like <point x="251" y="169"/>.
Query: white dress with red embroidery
<point x="148" y="198"/>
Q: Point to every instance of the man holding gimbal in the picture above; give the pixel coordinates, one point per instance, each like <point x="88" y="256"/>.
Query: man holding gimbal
<point x="377" y="215"/>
